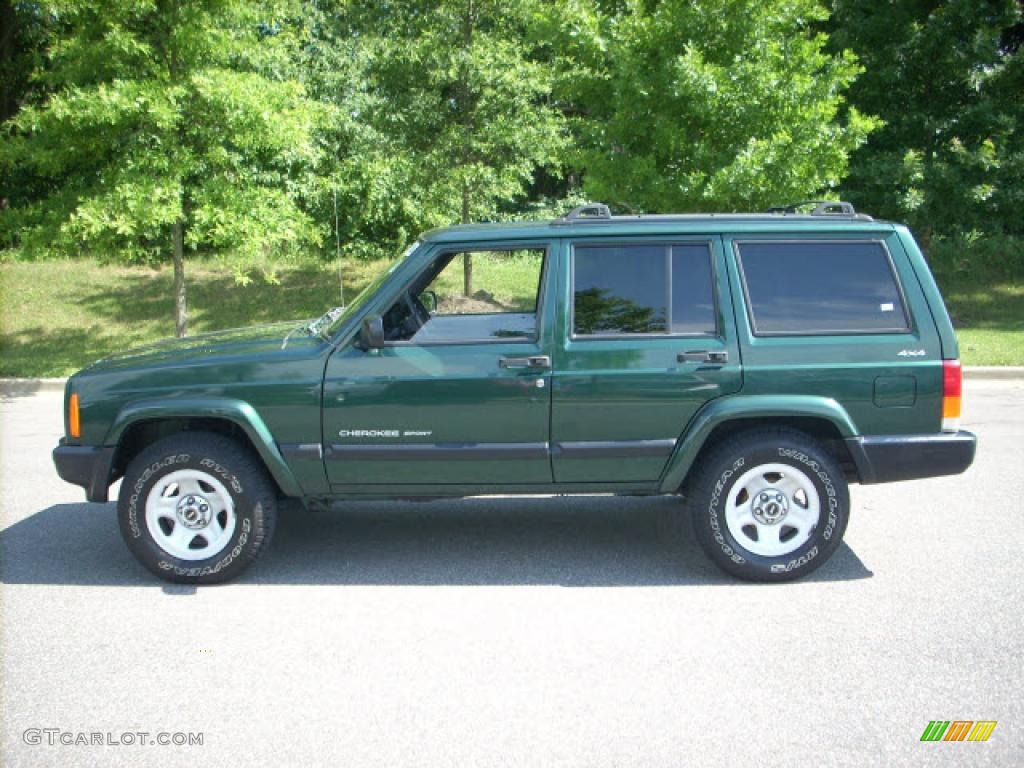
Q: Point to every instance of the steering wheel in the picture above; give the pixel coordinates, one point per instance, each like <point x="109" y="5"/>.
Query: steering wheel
<point x="418" y="314"/>
<point x="422" y="313"/>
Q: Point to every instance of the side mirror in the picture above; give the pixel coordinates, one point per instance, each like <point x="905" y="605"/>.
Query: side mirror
<point x="371" y="335"/>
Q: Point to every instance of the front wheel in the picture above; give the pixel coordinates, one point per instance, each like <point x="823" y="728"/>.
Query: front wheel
<point x="770" y="505"/>
<point x="196" y="508"/>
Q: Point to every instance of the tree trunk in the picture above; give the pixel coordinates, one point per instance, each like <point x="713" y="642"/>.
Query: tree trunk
<point x="180" y="317"/>
<point x="467" y="259"/>
<point x="467" y="274"/>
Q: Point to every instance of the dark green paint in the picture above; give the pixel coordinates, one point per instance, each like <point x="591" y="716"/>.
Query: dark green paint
<point x="284" y="386"/>
<point x="720" y="412"/>
<point x="227" y="409"/>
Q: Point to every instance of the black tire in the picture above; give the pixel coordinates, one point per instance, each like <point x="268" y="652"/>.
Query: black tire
<point x="236" y="473"/>
<point x="717" y="478"/>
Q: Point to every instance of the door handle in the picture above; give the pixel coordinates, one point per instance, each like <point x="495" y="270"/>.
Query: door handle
<point x="703" y="356"/>
<point x="536" y="361"/>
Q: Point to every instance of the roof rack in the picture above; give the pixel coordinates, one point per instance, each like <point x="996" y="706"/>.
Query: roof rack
<point x="599" y="213"/>
<point x="587" y="212"/>
<point x="821" y="208"/>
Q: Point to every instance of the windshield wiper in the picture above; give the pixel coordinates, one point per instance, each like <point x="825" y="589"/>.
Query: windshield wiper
<point x="316" y="327"/>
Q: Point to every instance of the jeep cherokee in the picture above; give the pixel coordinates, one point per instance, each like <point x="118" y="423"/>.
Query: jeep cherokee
<point x="753" y="364"/>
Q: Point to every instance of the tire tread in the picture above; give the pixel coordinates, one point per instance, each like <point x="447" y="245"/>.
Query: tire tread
<point x="244" y="463"/>
<point x="704" y="477"/>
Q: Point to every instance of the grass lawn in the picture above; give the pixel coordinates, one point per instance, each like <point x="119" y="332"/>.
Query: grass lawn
<point x="506" y="278"/>
<point x="57" y="316"/>
<point x="989" y="319"/>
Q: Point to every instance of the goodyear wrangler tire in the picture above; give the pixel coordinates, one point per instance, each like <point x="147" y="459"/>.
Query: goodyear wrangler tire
<point x="769" y="505"/>
<point x="196" y="508"/>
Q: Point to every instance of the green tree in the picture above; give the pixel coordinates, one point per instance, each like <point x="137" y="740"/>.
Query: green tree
<point x="462" y="102"/>
<point x="721" y="104"/>
<point x="364" y="195"/>
<point x="24" y="31"/>
<point x="169" y="126"/>
<point x="947" y="77"/>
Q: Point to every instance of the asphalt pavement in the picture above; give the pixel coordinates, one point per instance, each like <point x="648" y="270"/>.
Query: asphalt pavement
<point x="516" y="632"/>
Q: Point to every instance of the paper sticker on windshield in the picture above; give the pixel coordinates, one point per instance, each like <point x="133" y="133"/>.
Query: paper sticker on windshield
<point x="887" y="307"/>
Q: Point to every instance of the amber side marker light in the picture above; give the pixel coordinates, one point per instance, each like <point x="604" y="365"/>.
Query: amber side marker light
<point x="74" y="425"/>
<point x="952" y="386"/>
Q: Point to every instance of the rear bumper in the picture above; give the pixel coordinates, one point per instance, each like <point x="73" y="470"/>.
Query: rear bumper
<point x="87" y="466"/>
<point x="888" y="458"/>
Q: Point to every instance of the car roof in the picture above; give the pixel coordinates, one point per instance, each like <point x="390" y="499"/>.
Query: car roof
<point x="669" y="224"/>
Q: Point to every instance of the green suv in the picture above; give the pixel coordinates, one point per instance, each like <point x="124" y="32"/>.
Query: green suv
<point x="752" y="364"/>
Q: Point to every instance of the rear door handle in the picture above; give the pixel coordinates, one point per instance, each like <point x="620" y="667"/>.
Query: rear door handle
<point x="536" y="361"/>
<point x="703" y="356"/>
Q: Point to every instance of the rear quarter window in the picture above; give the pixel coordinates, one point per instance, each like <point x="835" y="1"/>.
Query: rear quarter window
<point x="821" y="287"/>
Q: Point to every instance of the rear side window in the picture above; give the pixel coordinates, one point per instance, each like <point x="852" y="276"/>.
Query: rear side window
<point x="642" y="289"/>
<point x="821" y="287"/>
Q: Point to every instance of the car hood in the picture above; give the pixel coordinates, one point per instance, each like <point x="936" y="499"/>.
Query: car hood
<point x="259" y="340"/>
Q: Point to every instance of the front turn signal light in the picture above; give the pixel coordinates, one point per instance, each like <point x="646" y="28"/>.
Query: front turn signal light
<point x="74" y="422"/>
<point x="952" y="388"/>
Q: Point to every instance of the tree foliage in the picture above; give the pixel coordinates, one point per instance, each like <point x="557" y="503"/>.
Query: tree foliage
<point x="948" y="78"/>
<point x="708" y="106"/>
<point x="451" y="110"/>
<point x="254" y="130"/>
<point x="463" y="97"/>
<point x="167" y="126"/>
<point x="23" y="33"/>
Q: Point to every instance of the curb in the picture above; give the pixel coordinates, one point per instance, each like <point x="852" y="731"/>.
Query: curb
<point x="994" y="372"/>
<point x="23" y="387"/>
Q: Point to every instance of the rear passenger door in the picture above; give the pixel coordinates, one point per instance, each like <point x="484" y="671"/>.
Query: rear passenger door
<point x="645" y="339"/>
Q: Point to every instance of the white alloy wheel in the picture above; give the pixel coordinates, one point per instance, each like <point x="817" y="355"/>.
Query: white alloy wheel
<point x="190" y="515"/>
<point x="772" y="509"/>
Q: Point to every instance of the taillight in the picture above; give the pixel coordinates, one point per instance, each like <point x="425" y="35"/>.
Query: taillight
<point x="74" y="424"/>
<point x="952" y="385"/>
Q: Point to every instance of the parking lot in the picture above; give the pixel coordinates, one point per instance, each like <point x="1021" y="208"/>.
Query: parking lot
<point x="518" y="632"/>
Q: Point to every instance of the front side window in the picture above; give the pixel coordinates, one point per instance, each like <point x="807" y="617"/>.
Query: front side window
<point x="642" y="289"/>
<point x="821" y="288"/>
<point x="500" y="305"/>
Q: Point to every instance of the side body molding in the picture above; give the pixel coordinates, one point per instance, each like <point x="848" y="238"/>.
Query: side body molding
<point x="726" y="409"/>
<point x="236" y="411"/>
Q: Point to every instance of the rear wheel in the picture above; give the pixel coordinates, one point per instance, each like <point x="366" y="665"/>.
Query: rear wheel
<point x="196" y="508"/>
<point x="769" y="505"/>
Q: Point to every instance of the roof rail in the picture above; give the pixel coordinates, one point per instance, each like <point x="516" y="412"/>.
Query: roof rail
<point x="587" y="212"/>
<point x="821" y="208"/>
<point x="599" y="213"/>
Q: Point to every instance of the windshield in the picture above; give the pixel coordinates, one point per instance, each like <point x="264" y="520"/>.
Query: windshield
<point x="345" y="312"/>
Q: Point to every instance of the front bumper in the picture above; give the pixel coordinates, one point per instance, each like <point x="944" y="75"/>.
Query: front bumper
<point x="888" y="458"/>
<point x="85" y="465"/>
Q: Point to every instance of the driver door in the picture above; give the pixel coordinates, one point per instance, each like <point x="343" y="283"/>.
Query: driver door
<point x="460" y="393"/>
